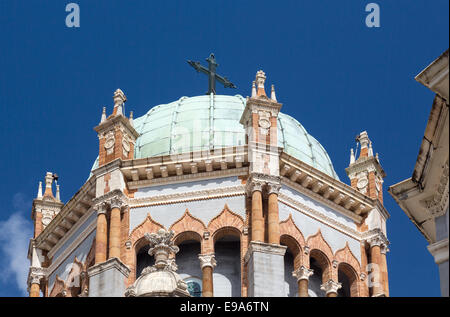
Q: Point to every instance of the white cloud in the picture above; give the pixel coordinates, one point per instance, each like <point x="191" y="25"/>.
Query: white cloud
<point x="15" y="234"/>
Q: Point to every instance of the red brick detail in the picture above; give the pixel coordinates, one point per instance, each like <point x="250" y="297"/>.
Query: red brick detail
<point x="38" y="224"/>
<point x="189" y="227"/>
<point x="292" y="237"/>
<point x="321" y="251"/>
<point x="349" y="265"/>
<point x="226" y="218"/>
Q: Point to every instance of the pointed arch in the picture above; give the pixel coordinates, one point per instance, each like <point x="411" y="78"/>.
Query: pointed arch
<point x="349" y="265"/>
<point x="321" y="251"/>
<point x="148" y="225"/>
<point x="188" y="223"/>
<point x="317" y="242"/>
<point x="345" y="255"/>
<point x="226" y="218"/>
<point x="288" y="227"/>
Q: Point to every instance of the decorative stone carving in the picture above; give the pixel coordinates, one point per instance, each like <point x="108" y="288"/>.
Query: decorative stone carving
<point x="302" y="273"/>
<point x="35" y="275"/>
<point x="207" y="260"/>
<point x="378" y="239"/>
<point x="273" y="188"/>
<point x="330" y="287"/>
<point x="161" y="278"/>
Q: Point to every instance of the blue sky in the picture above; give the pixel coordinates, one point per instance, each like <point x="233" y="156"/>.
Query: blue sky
<point x="332" y="73"/>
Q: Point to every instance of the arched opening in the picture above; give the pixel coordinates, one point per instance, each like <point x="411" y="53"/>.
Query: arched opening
<point x="227" y="273"/>
<point x="319" y="263"/>
<point x="348" y="278"/>
<point x="187" y="261"/>
<point x="291" y="262"/>
<point x="143" y="259"/>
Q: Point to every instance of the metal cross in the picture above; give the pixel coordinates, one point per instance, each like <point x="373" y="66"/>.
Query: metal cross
<point x="211" y="72"/>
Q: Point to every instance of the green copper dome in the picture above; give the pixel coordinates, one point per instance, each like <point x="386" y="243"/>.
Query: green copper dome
<point x="207" y="123"/>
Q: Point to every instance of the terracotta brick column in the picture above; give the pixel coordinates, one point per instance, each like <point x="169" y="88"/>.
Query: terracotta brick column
<point x="34" y="290"/>
<point x="114" y="228"/>
<point x="257" y="213"/>
<point x="384" y="250"/>
<point x="207" y="264"/>
<point x="101" y="235"/>
<point x="378" y="270"/>
<point x="331" y="288"/>
<point x="273" y="220"/>
<point x="302" y="274"/>
<point x="34" y="281"/>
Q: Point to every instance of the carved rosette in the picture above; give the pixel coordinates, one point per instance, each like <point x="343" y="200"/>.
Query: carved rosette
<point x="207" y="260"/>
<point x="302" y="273"/>
<point x="330" y="287"/>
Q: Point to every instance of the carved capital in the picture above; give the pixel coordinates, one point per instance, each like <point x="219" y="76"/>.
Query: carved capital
<point x="35" y="275"/>
<point x="302" y="273"/>
<point x="207" y="260"/>
<point x="330" y="287"/>
<point x="379" y="239"/>
<point x="273" y="188"/>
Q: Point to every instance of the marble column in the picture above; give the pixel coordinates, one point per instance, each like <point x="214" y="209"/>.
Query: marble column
<point x="302" y="274"/>
<point x="273" y="220"/>
<point x="331" y="288"/>
<point x="207" y="264"/>
<point x="101" y="238"/>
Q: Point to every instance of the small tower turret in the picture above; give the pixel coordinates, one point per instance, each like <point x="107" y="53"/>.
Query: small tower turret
<point x="116" y="133"/>
<point x="365" y="173"/>
<point x="45" y="207"/>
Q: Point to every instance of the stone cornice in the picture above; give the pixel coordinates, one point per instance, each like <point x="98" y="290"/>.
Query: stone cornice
<point x="69" y="211"/>
<point x="352" y="200"/>
<point x="188" y="177"/>
<point x="365" y="164"/>
<point x="321" y="199"/>
<point x="117" y="120"/>
<point x="77" y="240"/>
<point x="282" y="198"/>
<point x="205" y="194"/>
